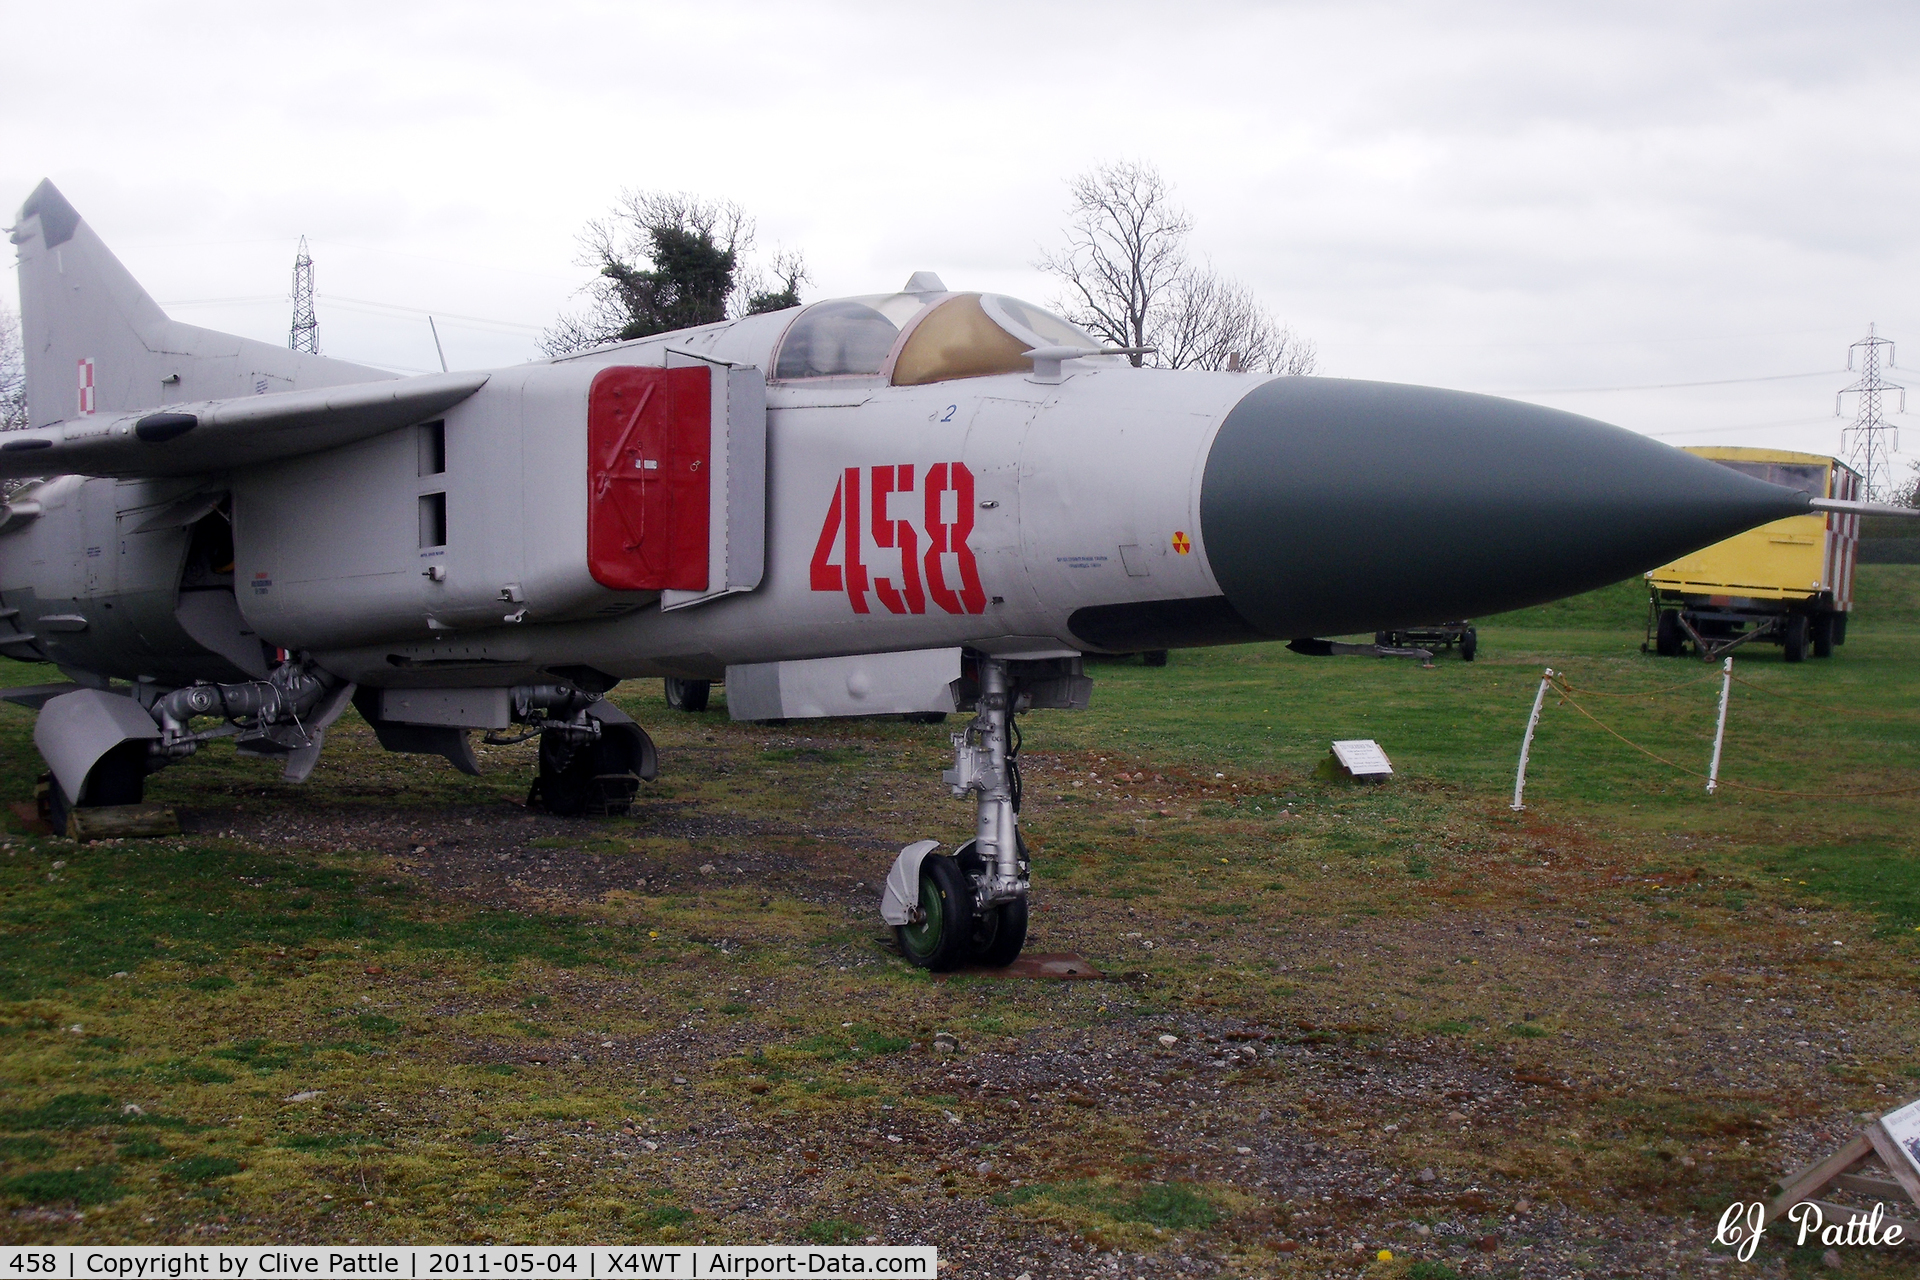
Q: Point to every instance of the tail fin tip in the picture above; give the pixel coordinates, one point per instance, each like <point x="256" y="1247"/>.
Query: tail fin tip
<point x="58" y="217"/>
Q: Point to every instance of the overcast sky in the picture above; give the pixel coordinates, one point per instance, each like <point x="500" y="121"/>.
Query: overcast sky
<point x="1531" y="199"/>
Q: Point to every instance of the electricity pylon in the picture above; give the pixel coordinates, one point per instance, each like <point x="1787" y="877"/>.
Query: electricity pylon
<point x="301" y="337"/>
<point x="1870" y="442"/>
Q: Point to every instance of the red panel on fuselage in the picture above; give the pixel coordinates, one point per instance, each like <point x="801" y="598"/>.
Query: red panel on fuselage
<point x="648" y="442"/>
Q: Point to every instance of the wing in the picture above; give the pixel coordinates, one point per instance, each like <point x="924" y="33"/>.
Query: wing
<point x="219" y="435"/>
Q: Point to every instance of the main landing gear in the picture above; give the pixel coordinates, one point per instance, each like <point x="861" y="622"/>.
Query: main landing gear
<point x="592" y="757"/>
<point x="970" y="906"/>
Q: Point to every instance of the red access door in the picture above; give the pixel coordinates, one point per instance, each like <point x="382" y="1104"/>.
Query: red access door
<point x="649" y="437"/>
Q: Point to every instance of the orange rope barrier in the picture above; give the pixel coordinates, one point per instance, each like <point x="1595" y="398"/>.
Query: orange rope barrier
<point x="1653" y="693"/>
<point x="1726" y="782"/>
<point x="1821" y="706"/>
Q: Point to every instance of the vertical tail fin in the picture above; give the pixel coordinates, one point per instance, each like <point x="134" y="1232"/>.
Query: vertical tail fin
<point x="96" y="343"/>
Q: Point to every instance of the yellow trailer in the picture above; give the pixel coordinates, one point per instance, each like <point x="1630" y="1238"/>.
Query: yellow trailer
<point x="1789" y="582"/>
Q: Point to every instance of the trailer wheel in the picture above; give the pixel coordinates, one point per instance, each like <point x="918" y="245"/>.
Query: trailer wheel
<point x="1839" y="628"/>
<point x="1667" y="636"/>
<point x="1793" y="645"/>
<point x="1823" y="636"/>
<point x="1469" y="644"/>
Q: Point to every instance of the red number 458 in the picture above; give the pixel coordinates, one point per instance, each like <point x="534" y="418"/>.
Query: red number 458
<point x="923" y="574"/>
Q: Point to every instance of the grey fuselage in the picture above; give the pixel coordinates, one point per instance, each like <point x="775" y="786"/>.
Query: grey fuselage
<point x="442" y="531"/>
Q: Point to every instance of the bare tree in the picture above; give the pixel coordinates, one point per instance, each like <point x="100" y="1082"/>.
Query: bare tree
<point x="774" y="287"/>
<point x="1908" y="495"/>
<point x="1128" y="280"/>
<point x="1126" y="249"/>
<point x="13" y="373"/>
<point x="13" y="388"/>
<point x="666" y="261"/>
<point x="1211" y="322"/>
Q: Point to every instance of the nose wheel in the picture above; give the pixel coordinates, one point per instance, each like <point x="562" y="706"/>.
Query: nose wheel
<point x="948" y="927"/>
<point x="970" y="907"/>
<point x="939" y="934"/>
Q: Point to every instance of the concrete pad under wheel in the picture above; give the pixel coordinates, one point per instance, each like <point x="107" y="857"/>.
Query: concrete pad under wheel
<point x="1059" y="966"/>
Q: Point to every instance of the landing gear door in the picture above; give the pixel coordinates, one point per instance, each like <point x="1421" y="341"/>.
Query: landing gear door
<point x="737" y="481"/>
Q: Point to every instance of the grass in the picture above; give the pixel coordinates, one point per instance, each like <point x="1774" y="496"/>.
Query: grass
<point x="394" y="1011"/>
<point x="852" y="1043"/>
<point x="1870" y="876"/>
<point x="203" y="1168"/>
<point x="195" y="903"/>
<point x="1168" y="1206"/>
<point x="831" y="1231"/>
<point x="87" y="1186"/>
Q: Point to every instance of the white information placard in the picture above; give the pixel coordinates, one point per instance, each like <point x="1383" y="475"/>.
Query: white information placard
<point x="1903" y="1126"/>
<point x="1363" y="758"/>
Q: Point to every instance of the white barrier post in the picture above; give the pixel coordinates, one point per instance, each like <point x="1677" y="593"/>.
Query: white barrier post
<point x="1720" y="730"/>
<point x="1526" y="743"/>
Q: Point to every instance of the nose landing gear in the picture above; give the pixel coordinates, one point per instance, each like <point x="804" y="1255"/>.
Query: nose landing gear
<point x="970" y="907"/>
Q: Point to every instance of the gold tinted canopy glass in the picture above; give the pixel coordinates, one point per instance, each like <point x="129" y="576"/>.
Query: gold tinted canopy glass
<point x="957" y="340"/>
<point x="966" y="335"/>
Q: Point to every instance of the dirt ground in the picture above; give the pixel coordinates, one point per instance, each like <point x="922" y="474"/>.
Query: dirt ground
<point x="1342" y="1021"/>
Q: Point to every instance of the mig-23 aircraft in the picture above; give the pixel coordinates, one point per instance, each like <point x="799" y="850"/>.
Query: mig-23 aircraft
<point x="922" y="501"/>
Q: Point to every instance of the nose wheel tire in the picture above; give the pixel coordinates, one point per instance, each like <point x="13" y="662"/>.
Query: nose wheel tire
<point x="999" y="933"/>
<point x="942" y="939"/>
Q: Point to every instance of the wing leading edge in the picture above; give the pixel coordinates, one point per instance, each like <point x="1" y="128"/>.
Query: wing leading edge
<point x="219" y="435"/>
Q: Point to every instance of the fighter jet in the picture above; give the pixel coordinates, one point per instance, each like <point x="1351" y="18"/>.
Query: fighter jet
<point x="925" y="501"/>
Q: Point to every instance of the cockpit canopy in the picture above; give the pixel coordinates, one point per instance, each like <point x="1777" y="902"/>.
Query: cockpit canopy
<point x="916" y="338"/>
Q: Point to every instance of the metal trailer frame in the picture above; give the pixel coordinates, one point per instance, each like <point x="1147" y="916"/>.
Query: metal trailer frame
<point x="1441" y="635"/>
<point x="1789" y="583"/>
<point x="1716" y="627"/>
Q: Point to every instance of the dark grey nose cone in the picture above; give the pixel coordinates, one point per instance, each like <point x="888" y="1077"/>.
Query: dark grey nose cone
<point x="1331" y="507"/>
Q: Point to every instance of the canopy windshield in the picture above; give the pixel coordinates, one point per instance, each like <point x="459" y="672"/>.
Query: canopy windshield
<point x="848" y="336"/>
<point x="921" y="337"/>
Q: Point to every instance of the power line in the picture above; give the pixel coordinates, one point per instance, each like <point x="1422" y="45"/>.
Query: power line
<point x="251" y="300"/>
<point x="301" y="337"/>
<point x="352" y="304"/>
<point x="1870" y="442"/>
<point x="1802" y="423"/>
<point x="1663" y="386"/>
<point x="367" y="304"/>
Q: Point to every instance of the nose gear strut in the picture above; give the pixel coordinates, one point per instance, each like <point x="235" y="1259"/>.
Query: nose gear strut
<point x="970" y="907"/>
